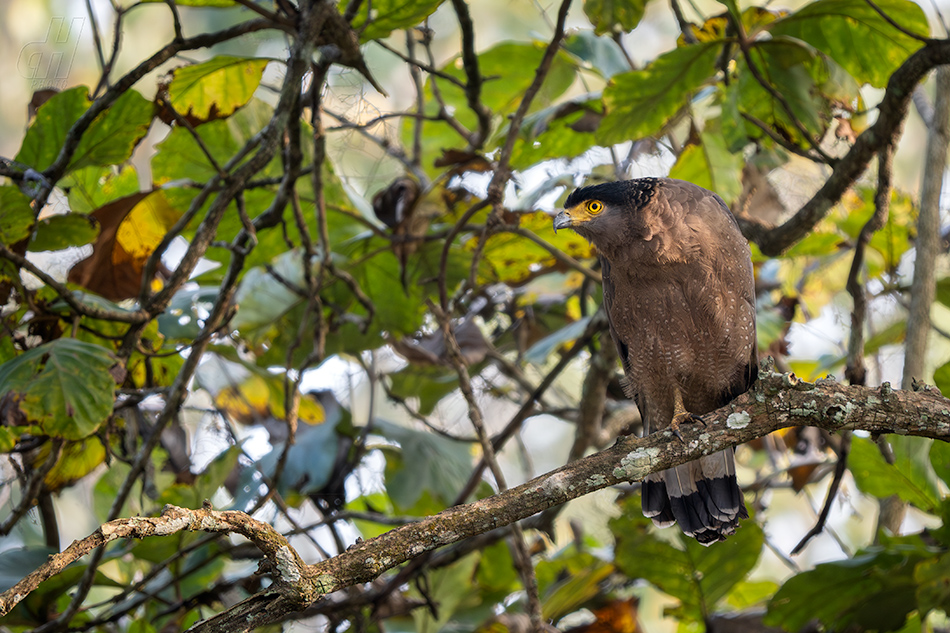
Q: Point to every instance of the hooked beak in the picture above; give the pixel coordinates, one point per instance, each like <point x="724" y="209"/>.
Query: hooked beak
<point x="562" y="221"/>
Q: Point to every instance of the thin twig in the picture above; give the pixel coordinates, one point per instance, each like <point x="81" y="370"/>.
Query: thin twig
<point x="428" y="68"/>
<point x="67" y="295"/>
<point x="746" y="48"/>
<point x="32" y="490"/>
<point x="473" y="85"/>
<point x="855" y="370"/>
<point x="840" y="469"/>
<point x="897" y="25"/>
<point x="780" y="140"/>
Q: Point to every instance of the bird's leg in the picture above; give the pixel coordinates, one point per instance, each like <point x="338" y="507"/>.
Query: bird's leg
<point x="681" y="415"/>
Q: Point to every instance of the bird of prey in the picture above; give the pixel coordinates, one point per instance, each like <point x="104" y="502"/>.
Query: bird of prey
<point x="680" y="300"/>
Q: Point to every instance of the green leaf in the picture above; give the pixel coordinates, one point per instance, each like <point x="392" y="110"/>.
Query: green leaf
<point x="911" y="477"/>
<point x="790" y="67"/>
<point x="574" y="587"/>
<point x="15" y="563"/>
<point x="873" y="591"/>
<point x="400" y="309"/>
<point x="448" y="587"/>
<point x="710" y="164"/>
<point x="109" y="140"/>
<point x="428" y="384"/>
<point x="16" y="216"/>
<point x="614" y="16"/>
<point x="751" y="593"/>
<point x="89" y="188"/>
<point x="64" y="386"/>
<point x="428" y="463"/>
<point x="496" y="569"/>
<point x="558" y="132"/>
<point x="942" y="533"/>
<point x="511" y="69"/>
<point x="856" y="36"/>
<point x="47" y="133"/>
<point x="216" y="88"/>
<point x="179" y="156"/>
<point x="201" y="569"/>
<point x="390" y="15"/>
<point x="181" y="320"/>
<point x="639" y="103"/>
<point x="732" y="5"/>
<point x="940" y="458"/>
<point x="10" y="435"/>
<point x="215" y="473"/>
<point x="62" y="231"/>
<point x="266" y="294"/>
<point x="698" y="576"/>
<point x="933" y="591"/>
<point x="816" y="244"/>
<point x="943" y="296"/>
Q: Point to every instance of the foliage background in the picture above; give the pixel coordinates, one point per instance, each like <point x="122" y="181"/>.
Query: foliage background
<point x="378" y="450"/>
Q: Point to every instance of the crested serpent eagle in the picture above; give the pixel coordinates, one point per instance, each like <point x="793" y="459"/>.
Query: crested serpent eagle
<point x="680" y="300"/>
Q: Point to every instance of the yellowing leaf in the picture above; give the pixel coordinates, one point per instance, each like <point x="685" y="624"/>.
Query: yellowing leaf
<point x="131" y="228"/>
<point x="515" y="259"/>
<point x="215" y="88"/>
<point x="145" y="226"/>
<point x="16" y="215"/>
<point x="246" y="402"/>
<point x="78" y="460"/>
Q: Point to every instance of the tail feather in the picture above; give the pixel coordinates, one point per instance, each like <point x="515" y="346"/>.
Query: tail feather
<point x="656" y="501"/>
<point x="703" y="496"/>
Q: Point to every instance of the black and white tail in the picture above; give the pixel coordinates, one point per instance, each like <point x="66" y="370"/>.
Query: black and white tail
<point x="703" y="496"/>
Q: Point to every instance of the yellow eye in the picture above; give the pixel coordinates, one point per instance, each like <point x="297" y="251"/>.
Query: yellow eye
<point x="595" y="206"/>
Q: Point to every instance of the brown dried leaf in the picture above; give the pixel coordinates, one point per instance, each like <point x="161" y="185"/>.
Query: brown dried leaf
<point x="131" y="228"/>
<point x="618" y="616"/>
<point x="39" y="98"/>
<point x="462" y="161"/>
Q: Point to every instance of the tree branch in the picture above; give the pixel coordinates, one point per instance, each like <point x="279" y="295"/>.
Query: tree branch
<point x="777" y="401"/>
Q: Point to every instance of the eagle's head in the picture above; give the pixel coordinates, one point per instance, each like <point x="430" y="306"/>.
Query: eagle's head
<point x="609" y="209"/>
